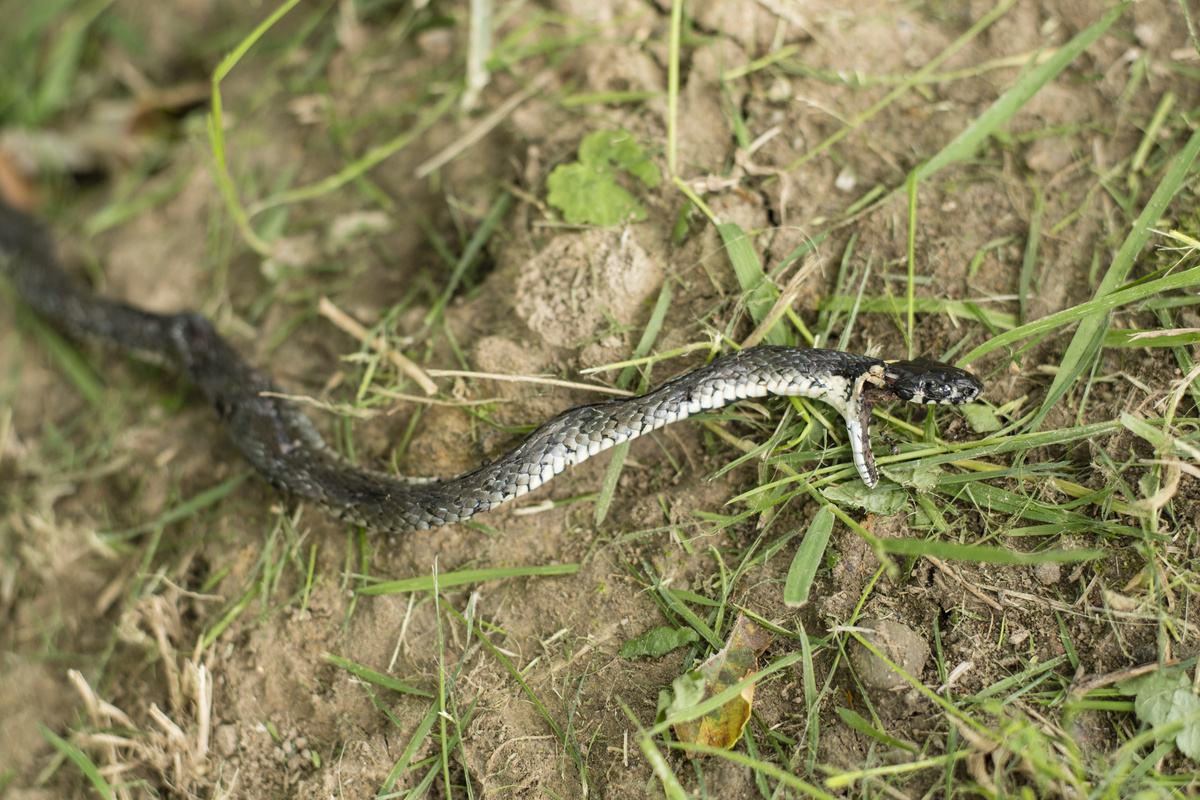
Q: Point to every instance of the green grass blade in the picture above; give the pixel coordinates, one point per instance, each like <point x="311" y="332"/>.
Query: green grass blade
<point x="187" y="508"/>
<point x="659" y="765"/>
<point x="448" y="579"/>
<point x="968" y="142"/>
<point x="964" y="146"/>
<point x="414" y="744"/>
<point x="856" y="722"/>
<point x="371" y="676"/>
<point x="910" y="186"/>
<point x="686" y="614"/>
<point x="993" y="14"/>
<point x="54" y="90"/>
<point x="982" y="553"/>
<point x="673" y="84"/>
<point x="1100" y="305"/>
<point x="807" y="559"/>
<point x="760" y="293"/>
<point x="785" y="778"/>
<point x="368" y="160"/>
<point x="965" y="309"/>
<point x="608" y="487"/>
<point x="607" y="98"/>
<point x="73" y="365"/>
<point x="1088" y="337"/>
<point x="1031" y="249"/>
<point x="533" y="698"/>
<point x="1152" y="338"/>
<point x="493" y="217"/>
<point x="80" y="759"/>
<point x="216" y="129"/>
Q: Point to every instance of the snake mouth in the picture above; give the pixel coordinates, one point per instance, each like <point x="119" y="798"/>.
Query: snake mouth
<point x="922" y="381"/>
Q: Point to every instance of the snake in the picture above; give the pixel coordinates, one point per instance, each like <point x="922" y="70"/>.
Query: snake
<point x="281" y="443"/>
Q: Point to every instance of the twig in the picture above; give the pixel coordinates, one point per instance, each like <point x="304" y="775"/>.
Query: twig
<point x="1082" y="686"/>
<point x="937" y="562"/>
<point x="351" y="326"/>
<point x="460" y="373"/>
<point x="484" y="126"/>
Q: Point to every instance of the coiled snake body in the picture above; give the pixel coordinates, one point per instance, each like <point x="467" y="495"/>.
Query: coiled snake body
<point x="280" y="443"/>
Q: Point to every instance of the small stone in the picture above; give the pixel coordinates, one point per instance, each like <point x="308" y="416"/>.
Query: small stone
<point x="900" y="644"/>
<point x="780" y="90"/>
<point x="226" y="739"/>
<point x="1148" y="35"/>
<point x="1048" y="573"/>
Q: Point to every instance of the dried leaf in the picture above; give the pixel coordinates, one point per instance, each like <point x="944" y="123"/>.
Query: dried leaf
<point x="737" y="660"/>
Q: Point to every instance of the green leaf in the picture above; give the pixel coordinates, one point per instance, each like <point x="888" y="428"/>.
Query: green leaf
<point x="1165" y="696"/>
<point x="807" y="559"/>
<point x="586" y="191"/>
<point x="589" y="195"/>
<point x="922" y="478"/>
<point x="981" y="418"/>
<point x="601" y="147"/>
<point x="657" y="642"/>
<point x="686" y="692"/>
<point x="884" y="502"/>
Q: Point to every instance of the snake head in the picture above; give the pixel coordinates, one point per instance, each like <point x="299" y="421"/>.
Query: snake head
<point x="930" y="382"/>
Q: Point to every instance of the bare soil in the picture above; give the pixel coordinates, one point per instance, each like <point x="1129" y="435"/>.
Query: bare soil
<point x="551" y="299"/>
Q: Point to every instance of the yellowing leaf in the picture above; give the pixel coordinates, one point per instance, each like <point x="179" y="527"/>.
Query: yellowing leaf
<point x="736" y="661"/>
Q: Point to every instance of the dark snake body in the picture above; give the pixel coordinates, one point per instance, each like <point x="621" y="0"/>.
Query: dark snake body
<point x="280" y="442"/>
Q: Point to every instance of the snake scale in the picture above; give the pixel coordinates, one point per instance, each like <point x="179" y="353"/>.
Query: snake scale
<point x="281" y="443"/>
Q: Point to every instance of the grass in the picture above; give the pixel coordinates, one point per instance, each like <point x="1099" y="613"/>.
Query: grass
<point x="975" y="508"/>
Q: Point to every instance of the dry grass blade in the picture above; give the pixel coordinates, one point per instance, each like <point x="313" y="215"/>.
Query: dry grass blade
<point x="379" y="344"/>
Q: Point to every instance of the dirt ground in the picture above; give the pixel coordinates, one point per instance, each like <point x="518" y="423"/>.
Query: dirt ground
<point x="126" y="616"/>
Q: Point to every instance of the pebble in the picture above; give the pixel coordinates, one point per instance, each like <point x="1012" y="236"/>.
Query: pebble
<point x="902" y="645"/>
<point x="226" y="739"/>
<point x="1048" y="573"/>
